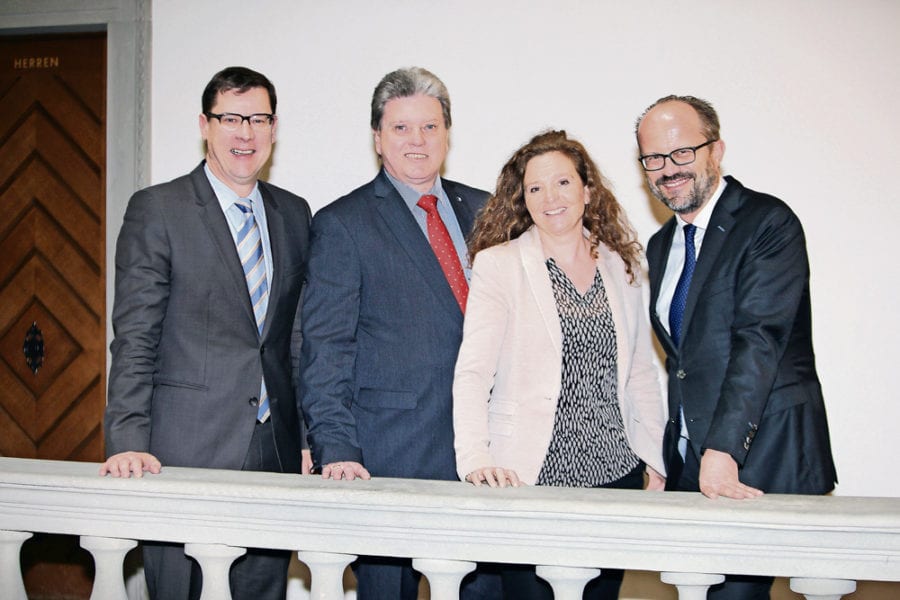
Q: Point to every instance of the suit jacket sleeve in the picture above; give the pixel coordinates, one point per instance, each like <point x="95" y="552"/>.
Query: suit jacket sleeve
<point x="296" y="345"/>
<point x="769" y="286"/>
<point x="141" y="297"/>
<point x="484" y="329"/>
<point x="330" y="314"/>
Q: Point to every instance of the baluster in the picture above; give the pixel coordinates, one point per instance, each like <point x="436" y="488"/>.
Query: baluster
<point x="11" y="585"/>
<point x="567" y="582"/>
<point x="822" y="589"/>
<point x="109" y="556"/>
<point x="327" y="572"/>
<point x="691" y="586"/>
<point x="444" y="576"/>
<point x="215" y="562"/>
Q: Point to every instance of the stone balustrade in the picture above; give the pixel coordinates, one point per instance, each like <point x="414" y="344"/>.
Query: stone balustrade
<point x="824" y="544"/>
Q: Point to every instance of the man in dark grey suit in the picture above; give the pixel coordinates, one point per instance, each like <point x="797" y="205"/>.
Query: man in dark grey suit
<point x="209" y="270"/>
<point x="729" y="302"/>
<point x="382" y="323"/>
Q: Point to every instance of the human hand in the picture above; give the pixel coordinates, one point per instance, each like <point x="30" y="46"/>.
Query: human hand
<point x="348" y="470"/>
<point x="126" y="464"/>
<point x="494" y="477"/>
<point x="719" y="477"/>
<point x="306" y="462"/>
<point x="655" y="481"/>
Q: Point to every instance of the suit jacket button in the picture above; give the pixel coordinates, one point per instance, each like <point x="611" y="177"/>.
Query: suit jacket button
<point x="262" y="349"/>
<point x="680" y="374"/>
<point x="254" y="402"/>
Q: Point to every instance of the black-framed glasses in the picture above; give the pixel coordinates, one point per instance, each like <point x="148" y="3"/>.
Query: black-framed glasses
<point x="233" y="121"/>
<point x="680" y="157"/>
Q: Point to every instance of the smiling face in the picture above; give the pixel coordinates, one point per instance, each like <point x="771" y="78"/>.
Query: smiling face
<point x="413" y="140"/>
<point x="237" y="157"/>
<point x="555" y="195"/>
<point x="686" y="188"/>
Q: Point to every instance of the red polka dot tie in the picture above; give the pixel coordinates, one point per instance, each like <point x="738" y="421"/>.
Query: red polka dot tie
<point x="444" y="250"/>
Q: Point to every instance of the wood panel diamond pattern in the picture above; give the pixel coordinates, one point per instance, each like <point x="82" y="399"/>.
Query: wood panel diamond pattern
<point x="52" y="245"/>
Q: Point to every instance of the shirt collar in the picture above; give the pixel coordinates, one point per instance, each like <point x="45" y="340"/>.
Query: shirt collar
<point x="224" y="194"/>
<point x="411" y="196"/>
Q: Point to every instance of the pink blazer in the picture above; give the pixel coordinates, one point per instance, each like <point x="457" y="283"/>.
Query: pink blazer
<point x="507" y="379"/>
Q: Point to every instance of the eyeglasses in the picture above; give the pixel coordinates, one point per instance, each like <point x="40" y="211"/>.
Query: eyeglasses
<point x="234" y="121"/>
<point x="680" y="157"/>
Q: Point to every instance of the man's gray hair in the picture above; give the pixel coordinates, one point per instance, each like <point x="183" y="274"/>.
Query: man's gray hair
<point x="403" y="83"/>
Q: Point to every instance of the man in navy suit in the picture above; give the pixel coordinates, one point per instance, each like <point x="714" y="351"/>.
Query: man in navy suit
<point x="200" y="375"/>
<point x="729" y="302"/>
<point x="381" y="323"/>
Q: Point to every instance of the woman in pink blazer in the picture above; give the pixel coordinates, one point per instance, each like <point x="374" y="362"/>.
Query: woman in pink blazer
<point x="555" y="384"/>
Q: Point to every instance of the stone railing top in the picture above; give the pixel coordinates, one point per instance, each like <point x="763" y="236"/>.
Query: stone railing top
<point x="844" y="537"/>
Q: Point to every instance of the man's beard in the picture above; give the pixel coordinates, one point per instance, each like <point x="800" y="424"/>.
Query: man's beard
<point x="703" y="189"/>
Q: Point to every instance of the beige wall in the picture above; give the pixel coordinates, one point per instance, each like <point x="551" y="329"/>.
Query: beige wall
<point x="806" y="91"/>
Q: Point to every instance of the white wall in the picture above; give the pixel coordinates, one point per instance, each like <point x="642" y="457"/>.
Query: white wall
<point x="806" y="91"/>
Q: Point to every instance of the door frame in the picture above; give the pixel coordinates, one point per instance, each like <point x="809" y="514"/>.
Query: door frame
<point x="127" y="24"/>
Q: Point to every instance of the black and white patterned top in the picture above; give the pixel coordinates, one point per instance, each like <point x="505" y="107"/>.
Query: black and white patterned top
<point x="588" y="447"/>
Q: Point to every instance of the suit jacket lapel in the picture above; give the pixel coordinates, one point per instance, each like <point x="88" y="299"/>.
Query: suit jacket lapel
<point x="277" y="238"/>
<point x="657" y="266"/>
<point x="464" y="215"/>
<point x="220" y="234"/>
<point x="402" y="224"/>
<point x="535" y="267"/>
<point x="720" y="224"/>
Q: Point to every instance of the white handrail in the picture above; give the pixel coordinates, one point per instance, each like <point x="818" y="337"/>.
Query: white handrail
<point x="838" y="538"/>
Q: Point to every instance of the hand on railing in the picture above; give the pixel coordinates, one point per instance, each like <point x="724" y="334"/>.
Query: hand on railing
<point x="306" y="462"/>
<point x="348" y="470"/>
<point x="126" y="464"/>
<point x="494" y="477"/>
<point x="655" y="481"/>
<point x="719" y="477"/>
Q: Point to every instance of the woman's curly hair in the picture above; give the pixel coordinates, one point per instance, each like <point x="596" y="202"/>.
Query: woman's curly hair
<point x="505" y="217"/>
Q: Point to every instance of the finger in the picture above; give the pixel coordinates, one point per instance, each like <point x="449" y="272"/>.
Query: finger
<point x="363" y="473"/>
<point x="136" y="466"/>
<point x="489" y="478"/>
<point x="474" y="478"/>
<point x="114" y="468"/>
<point x="500" y="476"/>
<point x="155" y="466"/>
<point x="513" y="478"/>
<point x="333" y="471"/>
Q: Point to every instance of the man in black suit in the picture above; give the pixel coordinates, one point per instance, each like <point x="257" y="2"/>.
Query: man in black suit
<point x="382" y="322"/>
<point x="729" y="302"/>
<point x="209" y="269"/>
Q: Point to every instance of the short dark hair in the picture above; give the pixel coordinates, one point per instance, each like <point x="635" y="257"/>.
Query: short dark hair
<point x="403" y="83"/>
<point x="704" y="108"/>
<point x="239" y="79"/>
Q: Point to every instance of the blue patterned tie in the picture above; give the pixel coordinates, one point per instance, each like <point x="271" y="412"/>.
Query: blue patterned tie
<point x="679" y="299"/>
<point x="250" y="251"/>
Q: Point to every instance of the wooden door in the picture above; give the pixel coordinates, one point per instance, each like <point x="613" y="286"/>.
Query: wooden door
<point x="52" y="272"/>
<point x="52" y="246"/>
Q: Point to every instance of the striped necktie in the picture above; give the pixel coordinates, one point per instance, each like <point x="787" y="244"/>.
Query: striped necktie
<point x="250" y="252"/>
